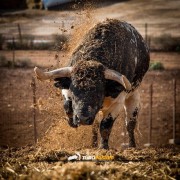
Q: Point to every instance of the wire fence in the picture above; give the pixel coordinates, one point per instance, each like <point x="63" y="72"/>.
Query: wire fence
<point x="25" y="116"/>
<point x="159" y="37"/>
<point x="27" y="111"/>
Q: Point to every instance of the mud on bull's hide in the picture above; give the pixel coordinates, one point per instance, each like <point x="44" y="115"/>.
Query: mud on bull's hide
<point x="118" y="46"/>
<point x="88" y="75"/>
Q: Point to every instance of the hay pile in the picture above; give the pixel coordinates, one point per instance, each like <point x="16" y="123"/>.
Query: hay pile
<point x="36" y="163"/>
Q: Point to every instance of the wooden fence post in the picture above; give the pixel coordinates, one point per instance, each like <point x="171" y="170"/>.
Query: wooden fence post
<point x="20" y="35"/>
<point x="150" y="116"/>
<point x="174" y="109"/>
<point x="174" y="140"/>
<point x="146" y="32"/>
<point x="13" y="49"/>
<point x="33" y="85"/>
<point x="150" y="113"/>
<point x="149" y="43"/>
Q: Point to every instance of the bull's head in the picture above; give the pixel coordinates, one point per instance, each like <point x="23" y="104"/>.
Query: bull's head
<point x="86" y="88"/>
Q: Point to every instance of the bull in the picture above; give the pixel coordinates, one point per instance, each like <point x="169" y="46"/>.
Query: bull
<point x="104" y="74"/>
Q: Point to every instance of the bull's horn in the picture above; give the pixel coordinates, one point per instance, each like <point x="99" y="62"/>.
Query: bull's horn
<point x="116" y="76"/>
<point x="58" y="73"/>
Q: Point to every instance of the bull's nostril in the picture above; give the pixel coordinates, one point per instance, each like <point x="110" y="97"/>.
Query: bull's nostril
<point x="89" y="122"/>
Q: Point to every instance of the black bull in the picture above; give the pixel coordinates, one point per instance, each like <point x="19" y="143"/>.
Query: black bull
<point x="104" y="74"/>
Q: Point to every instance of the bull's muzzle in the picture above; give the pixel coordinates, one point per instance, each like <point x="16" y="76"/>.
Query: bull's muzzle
<point x="82" y="120"/>
<point x="71" y="123"/>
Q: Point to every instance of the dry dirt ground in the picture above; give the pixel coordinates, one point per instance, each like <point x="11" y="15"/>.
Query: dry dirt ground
<point x="47" y="59"/>
<point x="56" y="140"/>
<point x="17" y="103"/>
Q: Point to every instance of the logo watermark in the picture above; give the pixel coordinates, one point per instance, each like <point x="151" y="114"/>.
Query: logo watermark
<point x="79" y="157"/>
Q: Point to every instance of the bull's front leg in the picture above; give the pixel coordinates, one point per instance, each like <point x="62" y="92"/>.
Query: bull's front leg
<point x="105" y="130"/>
<point x="110" y="115"/>
<point x="132" y="108"/>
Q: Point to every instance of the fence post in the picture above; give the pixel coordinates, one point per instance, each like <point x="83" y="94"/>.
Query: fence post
<point x="149" y="43"/>
<point x="20" y="35"/>
<point x="33" y="85"/>
<point x="174" y="140"/>
<point x="174" y="109"/>
<point x="146" y="32"/>
<point x="13" y="48"/>
<point x="150" y="113"/>
<point x="150" y="116"/>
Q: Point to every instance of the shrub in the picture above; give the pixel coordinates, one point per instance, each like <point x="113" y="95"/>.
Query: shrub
<point x="3" y="61"/>
<point x="23" y="63"/>
<point x="57" y="42"/>
<point x="27" y="43"/>
<point x="156" y="66"/>
<point x="43" y="45"/>
<point x="19" y="63"/>
<point x="167" y="42"/>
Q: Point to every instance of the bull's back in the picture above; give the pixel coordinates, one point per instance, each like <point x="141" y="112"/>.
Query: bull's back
<point x="117" y="45"/>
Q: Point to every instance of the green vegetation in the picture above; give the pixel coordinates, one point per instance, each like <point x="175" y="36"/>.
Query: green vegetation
<point x="167" y="42"/>
<point x="156" y="66"/>
<point x="19" y="63"/>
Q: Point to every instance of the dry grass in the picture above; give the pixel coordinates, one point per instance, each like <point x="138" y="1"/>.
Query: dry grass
<point x="37" y="163"/>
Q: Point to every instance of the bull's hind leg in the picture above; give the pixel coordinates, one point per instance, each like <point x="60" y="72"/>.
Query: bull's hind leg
<point x="132" y="107"/>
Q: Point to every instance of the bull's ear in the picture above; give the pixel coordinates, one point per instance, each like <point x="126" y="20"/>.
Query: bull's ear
<point x="116" y="76"/>
<point x="62" y="83"/>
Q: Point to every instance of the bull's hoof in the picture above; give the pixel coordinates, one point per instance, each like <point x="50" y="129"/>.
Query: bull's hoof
<point x="132" y="145"/>
<point x="104" y="146"/>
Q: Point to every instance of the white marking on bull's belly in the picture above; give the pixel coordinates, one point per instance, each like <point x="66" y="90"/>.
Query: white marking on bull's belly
<point x="66" y="94"/>
<point x="112" y="106"/>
